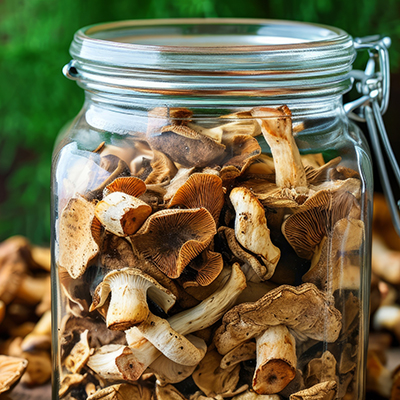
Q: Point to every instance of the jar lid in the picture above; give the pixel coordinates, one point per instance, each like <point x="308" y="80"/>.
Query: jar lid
<point x="217" y="56"/>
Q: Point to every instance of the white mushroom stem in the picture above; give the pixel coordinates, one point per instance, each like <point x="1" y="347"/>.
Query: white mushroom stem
<point x="103" y="361"/>
<point x="276" y="360"/>
<point x="199" y="317"/>
<point x="251" y="228"/>
<point x="172" y="344"/>
<point x="168" y="371"/>
<point x="276" y="127"/>
<point x="128" y="305"/>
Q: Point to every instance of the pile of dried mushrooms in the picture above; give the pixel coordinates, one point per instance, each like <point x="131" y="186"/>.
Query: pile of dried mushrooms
<point x="194" y="266"/>
<point x="199" y="267"/>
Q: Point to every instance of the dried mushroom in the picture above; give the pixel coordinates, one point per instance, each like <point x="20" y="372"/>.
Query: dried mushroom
<point x="276" y="127"/>
<point x="170" y="239"/>
<point x="205" y="314"/>
<point x="305" y="229"/>
<point x="201" y="190"/>
<point x="243" y="352"/>
<point x="183" y="258"/>
<point x="76" y="245"/>
<point x="251" y="229"/>
<point x="250" y="395"/>
<point x="79" y="354"/>
<point x="11" y="371"/>
<point x="122" y="391"/>
<point x="214" y="381"/>
<point x="320" y="391"/>
<point x="128" y="304"/>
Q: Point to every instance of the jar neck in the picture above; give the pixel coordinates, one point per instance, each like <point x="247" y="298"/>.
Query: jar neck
<point x="125" y="115"/>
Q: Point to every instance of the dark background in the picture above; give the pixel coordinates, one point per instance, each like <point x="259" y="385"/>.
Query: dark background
<point x="36" y="100"/>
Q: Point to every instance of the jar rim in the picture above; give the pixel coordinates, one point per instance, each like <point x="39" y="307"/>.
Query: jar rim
<point x="267" y="34"/>
<point x="216" y="56"/>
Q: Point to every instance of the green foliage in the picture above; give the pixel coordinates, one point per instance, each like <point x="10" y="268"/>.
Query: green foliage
<point x="36" y="101"/>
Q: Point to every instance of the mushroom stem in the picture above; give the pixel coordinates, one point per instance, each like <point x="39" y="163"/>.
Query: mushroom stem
<point x="199" y="317"/>
<point x="276" y="127"/>
<point x="276" y="360"/>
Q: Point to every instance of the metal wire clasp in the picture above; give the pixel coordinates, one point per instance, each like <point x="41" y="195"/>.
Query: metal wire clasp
<point x="374" y="85"/>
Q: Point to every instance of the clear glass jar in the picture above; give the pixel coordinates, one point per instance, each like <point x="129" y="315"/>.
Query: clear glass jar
<point x="211" y="214"/>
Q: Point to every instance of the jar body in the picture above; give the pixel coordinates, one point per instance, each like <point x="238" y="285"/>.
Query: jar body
<point x="210" y="243"/>
<point x="239" y="204"/>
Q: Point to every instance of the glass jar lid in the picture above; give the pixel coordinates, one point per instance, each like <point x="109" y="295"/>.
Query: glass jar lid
<point x="239" y="57"/>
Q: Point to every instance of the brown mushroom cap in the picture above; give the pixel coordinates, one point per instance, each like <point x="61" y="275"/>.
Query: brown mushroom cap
<point x="320" y="369"/>
<point x="163" y="169"/>
<point x="76" y="245"/>
<point x="135" y="187"/>
<point x="201" y="190"/>
<point x="11" y="371"/>
<point x="245" y="351"/>
<point x="306" y="228"/>
<point x="241" y="150"/>
<point x="202" y="270"/>
<point x="304" y="309"/>
<point x="172" y="238"/>
<point x="185" y="146"/>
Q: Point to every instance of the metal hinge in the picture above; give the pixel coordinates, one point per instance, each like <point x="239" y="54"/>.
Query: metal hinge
<point x="374" y="85"/>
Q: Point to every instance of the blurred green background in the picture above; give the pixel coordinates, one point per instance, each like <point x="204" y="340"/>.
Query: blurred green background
<point x="36" y="100"/>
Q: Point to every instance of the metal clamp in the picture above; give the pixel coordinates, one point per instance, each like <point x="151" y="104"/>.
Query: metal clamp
<point x="374" y="84"/>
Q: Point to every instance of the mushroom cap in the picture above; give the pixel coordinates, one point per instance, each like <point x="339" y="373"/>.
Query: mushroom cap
<point x="306" y="228"/>
<point x="76" y="245"/>
<point x="117" y="168"/>
<point x="201" y="190"/>
<point x="12" y="272"/>
<point x="202" y="270"/>
<point x="172" y="238"/>
<point x="181" y="143"/>
<point x="12" y="369"/>
<point x="240" y="151"/>
<point x="131" y="185"/>
<point x="163" y="169"/>
<point x="304" y="309"/>
<point x="245" y="351"/>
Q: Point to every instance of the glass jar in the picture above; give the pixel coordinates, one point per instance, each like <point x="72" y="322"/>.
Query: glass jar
<point x="211" y="214"/>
